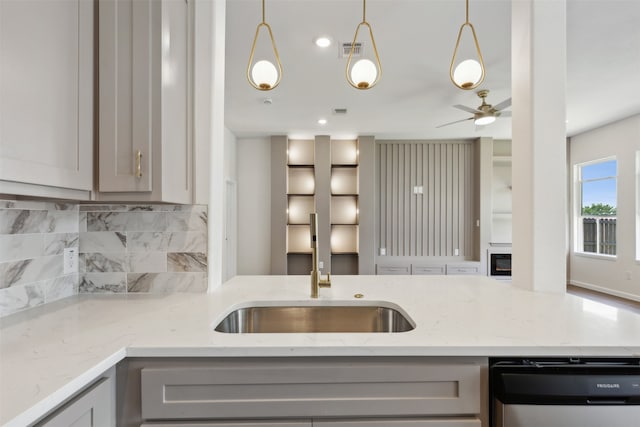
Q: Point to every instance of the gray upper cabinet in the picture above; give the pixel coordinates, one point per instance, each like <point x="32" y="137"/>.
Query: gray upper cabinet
<point x="145" y="94"/>
<point x="46" y="97"/>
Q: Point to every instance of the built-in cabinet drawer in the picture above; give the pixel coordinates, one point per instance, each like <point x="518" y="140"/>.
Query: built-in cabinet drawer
<point x="428" y="269"/>
<point x="389" y="269"/>
<point x="446" y="422"/>
<point x="271" y="423"/>
<point x="463" y="269"/>
<point x="456" y="268"/>
<point x="310" y="387"/>
<point x="387" y="422"/>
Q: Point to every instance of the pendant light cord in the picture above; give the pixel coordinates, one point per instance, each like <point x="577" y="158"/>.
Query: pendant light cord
<point x="467" y="12"/>
<point x="263" y="20"/>
<point x="364" y="11"/>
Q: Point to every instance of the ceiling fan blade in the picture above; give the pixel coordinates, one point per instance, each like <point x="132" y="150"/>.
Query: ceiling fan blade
<point x="503" y="114"/>
<point x="452" y="123"/>
<point x="467" y="109"/>
<point x="504" y="104"/>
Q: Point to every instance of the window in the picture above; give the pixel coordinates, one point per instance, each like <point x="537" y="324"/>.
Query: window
<point x="597" y="205"/>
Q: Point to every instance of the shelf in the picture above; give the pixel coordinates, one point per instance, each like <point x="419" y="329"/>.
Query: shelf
<point x="344" y="210"/>
<point x="301" y="152"/>
<point x="301" y="181"/>
<point x="344" y="181"/>
<point x="344" y="152"/>
<point x="299" y="209"/>
<point x="298" y="239"/>
<point x="344" y="239"/>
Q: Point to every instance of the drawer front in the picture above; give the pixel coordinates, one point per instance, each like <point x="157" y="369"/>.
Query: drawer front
<point x="428" y="269"/>
<point x="456" y="269"/>
<point x="233" y="424"/>
<point x="433" y="422"/>
<point x="392" y="269"/>
<point x="306" y="388"/>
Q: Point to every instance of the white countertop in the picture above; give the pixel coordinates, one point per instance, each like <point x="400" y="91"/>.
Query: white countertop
<point x="50" y="352"/>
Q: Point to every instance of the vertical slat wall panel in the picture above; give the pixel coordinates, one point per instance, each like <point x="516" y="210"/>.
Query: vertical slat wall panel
<point x="438" y="221"/>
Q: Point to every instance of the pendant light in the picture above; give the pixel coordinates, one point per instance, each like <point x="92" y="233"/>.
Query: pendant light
<point x="263" y="74"/>
<point x="469" y="73"/>
<point x="364" y="73"/>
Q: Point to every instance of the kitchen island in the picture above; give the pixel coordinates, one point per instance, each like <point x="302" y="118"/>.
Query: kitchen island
<point x="49" y="353"/>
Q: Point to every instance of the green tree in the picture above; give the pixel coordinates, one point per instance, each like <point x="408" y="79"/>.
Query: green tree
<point x="599" y="209"/>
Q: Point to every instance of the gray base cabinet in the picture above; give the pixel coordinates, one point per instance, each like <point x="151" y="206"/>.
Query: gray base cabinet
<point x="327" y="392"/>
<point x="94" y="407"/>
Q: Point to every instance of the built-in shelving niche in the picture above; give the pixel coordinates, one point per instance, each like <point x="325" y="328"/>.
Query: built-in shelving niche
<point x="501" y="197"/>
<point x="301" y="187"/>
<point x="344" y="207"/>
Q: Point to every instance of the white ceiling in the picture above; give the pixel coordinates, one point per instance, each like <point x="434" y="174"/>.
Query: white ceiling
<point x="415" y="39"/>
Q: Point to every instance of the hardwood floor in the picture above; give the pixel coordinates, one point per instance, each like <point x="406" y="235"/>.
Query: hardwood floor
<point x="605" y="298"/>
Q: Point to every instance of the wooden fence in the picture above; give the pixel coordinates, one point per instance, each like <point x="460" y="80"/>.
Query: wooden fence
<point x="599" y="235"/>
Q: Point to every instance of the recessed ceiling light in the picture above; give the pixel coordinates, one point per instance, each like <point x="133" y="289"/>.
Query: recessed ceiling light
<point x="323" y="42"/>
<point x="322" y="121"/>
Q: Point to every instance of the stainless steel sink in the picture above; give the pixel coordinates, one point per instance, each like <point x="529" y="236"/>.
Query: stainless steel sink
<point x="314" y="318"/>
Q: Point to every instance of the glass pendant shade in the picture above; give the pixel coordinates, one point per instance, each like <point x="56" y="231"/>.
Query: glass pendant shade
<point x="263" y="74"/>
<point x="468" y="73"/>
<point x="363" y="73"/>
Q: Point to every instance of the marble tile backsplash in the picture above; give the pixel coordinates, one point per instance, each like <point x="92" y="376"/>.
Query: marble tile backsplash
<point x="146" y="248"/>
<point x="33" y="236"/>
<point x="122" y="248"/>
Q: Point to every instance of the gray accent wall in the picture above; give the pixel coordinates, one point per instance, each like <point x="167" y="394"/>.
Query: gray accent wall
<point x="437" y="221"/>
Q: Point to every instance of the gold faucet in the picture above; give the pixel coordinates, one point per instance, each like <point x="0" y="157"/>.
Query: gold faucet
<point x="316" y="278"/>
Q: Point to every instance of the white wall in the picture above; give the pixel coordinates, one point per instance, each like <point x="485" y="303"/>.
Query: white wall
<point x="230" y="214"/>
<point x="620" y="276"/>
<point x="254" y="206"/>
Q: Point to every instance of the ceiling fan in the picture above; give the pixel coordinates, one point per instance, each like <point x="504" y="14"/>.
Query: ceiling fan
<point x="485" y="113"/>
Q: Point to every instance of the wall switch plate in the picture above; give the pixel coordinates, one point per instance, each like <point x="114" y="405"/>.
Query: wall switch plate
<point x="320" y="265"/>
<point x="70" y="260"/>
<point x="456" y="252"/>
<point x="383" y="251"/>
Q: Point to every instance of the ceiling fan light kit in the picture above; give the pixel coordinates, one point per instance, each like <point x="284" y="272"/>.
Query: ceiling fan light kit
<point x="485" y="114"/>
<point x="263" y="74"/>
<point x="469" y="73"/>
<point x="364" y="73"/>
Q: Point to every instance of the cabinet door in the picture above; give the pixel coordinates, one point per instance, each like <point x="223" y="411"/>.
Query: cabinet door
<point x="270" y="423"/>
<point x="434" y="422"/>
<point x="46" y="92"/>
<point x="125" y="130"/>
<point x="92" y="408"/>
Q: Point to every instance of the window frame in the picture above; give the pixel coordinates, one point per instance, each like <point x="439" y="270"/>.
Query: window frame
<point x="578" y="241"/>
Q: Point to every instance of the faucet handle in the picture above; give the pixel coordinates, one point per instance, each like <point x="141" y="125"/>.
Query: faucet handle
<point x="325" y="283"/>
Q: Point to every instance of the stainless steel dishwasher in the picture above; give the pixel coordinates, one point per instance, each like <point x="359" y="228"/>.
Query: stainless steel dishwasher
<point x="565" y="392"/>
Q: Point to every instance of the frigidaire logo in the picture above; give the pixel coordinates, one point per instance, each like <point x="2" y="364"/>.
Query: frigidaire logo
<point x="599" y="385"/>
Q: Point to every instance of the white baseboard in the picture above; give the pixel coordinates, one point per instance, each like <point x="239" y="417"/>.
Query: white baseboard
<point x="604" y="290"/>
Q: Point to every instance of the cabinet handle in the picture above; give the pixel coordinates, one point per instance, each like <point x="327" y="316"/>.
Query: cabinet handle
<point x="138" y="164"/>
